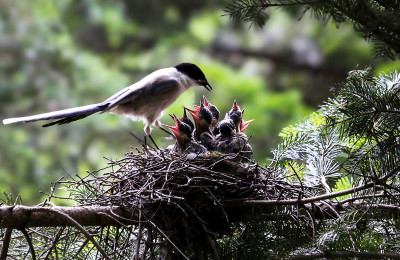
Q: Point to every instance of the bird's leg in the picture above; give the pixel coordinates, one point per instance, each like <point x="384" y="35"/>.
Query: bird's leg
<point x="145" y="144"/>
<point x="147" y="130"/>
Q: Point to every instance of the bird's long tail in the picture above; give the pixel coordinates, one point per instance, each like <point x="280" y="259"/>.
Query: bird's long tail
<point x="63" y="116"/>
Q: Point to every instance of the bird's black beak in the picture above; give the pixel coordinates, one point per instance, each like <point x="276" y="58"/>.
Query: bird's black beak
<point x="207" y="86"/>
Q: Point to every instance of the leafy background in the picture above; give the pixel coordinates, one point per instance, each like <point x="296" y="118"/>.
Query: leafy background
<point x="60" y="54"/>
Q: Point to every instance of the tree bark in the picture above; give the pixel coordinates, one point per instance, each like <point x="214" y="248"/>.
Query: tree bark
<point x="24" y="216"/>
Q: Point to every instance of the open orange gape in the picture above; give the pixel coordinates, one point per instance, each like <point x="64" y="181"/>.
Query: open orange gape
<point x="207" y="134"/>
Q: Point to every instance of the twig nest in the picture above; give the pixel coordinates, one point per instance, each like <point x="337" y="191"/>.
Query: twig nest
<point x="175" y="192"/>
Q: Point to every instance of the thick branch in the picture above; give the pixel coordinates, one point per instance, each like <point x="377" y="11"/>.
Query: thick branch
<point x="24" y="216"/>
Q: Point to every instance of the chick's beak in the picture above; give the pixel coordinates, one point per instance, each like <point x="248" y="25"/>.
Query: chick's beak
<point x="194" y="113"/>
<point x="197" y="110"/>
<point x="184" y="115"/>
<point x="235" y="106"/>
<point x="245" y="125"/>
<point x="206" y="103"/>
<point x="175" y="127"/>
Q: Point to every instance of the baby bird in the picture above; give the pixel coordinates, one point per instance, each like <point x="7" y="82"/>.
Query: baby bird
<point x="231" y="141"/>
<point x="185" y="119"/>
<point x="202" y="120"/>
<point x="183" y="135"/>
<point x="215" y="115"/>
<point x="236" y="115"/>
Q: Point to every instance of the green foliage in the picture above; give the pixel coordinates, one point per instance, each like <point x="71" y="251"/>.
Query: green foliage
<point x="313" y="146"/>
<point x="388" y="67"/>
<point x="248" y="11"/>
<point x="375" y="20"/>
<point x="343" y="183"/>
<point x="368" y="106"/>
<point x="351" y="140"/>
<point x="367" y="110"/>
<point x="360" y="123"/>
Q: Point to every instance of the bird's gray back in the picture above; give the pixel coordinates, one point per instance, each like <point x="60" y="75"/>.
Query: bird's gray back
<point x="147" y="98"/>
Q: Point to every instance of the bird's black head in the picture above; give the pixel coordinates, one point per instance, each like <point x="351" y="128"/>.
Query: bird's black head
<point x="181" y="130"/>
<point x="214" y="111"/>
<point x="185" y="119"/>
<point x="202" y="118"/>
<point x="227" y="127"/>
<point x="205" y="114"/>
<point x="185" y="129"/>
<point x="236" y="117"/>
<point x="195" y="73"/>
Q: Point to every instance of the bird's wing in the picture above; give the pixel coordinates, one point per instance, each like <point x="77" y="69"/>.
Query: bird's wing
<point x="161" y="88"/>
<point x="156" y="89"/>
<point x="119" y="94"/>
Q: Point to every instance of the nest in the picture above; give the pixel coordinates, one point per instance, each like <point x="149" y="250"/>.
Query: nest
<point x="184" y="198"/>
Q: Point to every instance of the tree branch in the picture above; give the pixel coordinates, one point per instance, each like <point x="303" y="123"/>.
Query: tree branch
<point x="339" y="254"/>
<point x="29" y="240"/>
<point x="74" y="223"/>
<point x="6" y="243"/>
<point x="24" y="216"/>
<point x="370" y="197"/>
<point x="269" y="203"/>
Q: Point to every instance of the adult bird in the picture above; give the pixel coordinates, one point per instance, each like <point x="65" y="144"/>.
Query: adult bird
<point x="144" y="100"/>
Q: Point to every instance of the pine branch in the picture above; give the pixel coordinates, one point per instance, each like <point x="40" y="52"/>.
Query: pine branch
<point x="346" y="254"/>
<point x="376" y="20"/>
<point x="247" y="11"/>
<point x="270" y="203"/>
<point x="372" y="196"/>
<point x="369" y="108"/>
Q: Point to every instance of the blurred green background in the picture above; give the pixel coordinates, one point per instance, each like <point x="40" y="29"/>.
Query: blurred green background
<point x="60" y="54"/>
